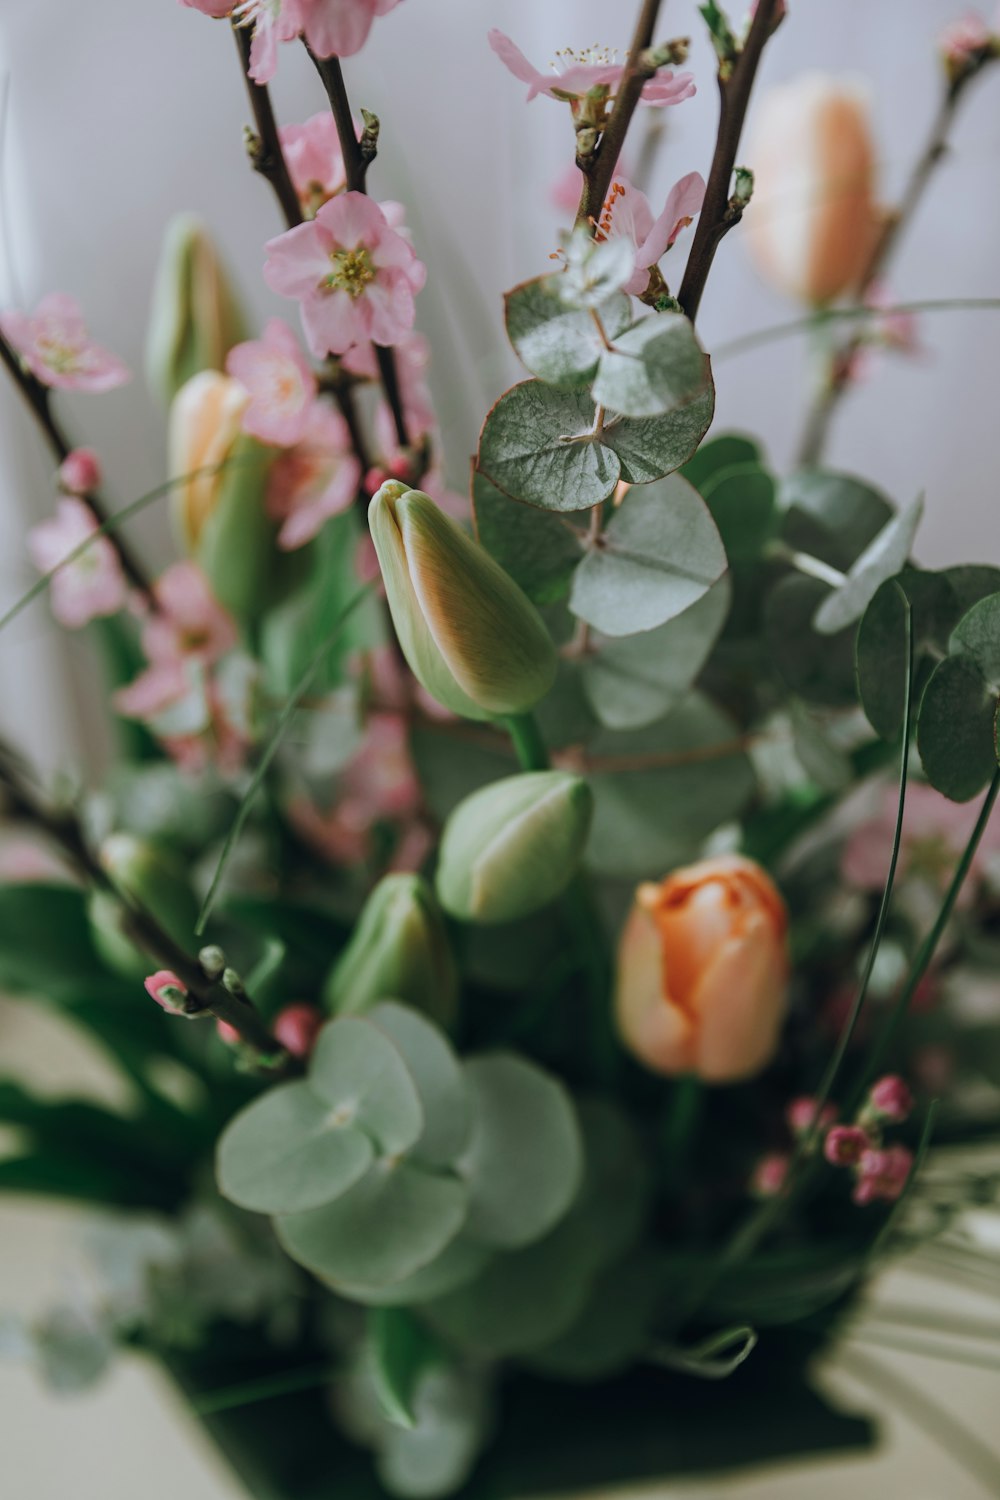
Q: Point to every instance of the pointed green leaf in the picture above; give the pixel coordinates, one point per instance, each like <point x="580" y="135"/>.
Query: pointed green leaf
<point x="883" y="558"/>
<point x="402" y="1352"/>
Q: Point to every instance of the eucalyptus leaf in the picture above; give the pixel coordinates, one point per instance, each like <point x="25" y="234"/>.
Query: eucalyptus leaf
<point x="460" y="1262"/>
<point x="977" y="637"/>
<point x="820" y="668"/>
<point x="285" y="1152"/>
<point x="435" y="1456"/>
<point x="634" y="680"/>
<point x="437" y="1073"/>
<point x="881" y="650"/>
<point x="538" y="445"/>
<point x="831" y="516"/>
<point x="660" y="554"/>
<point x="360" y="1073"/>
<point x="654" y="367"/>
<point x="883" y="558"/>
<point x="560" y="344"/>
<point x="956" y="729"/>
<point x="742" y="502"/>
<point x="537" y="548"/>
<point x="723" y="452"/>
<point x="525" y="1158"/>
<point x="394" y="1221"/>
<point x="650" y="447"/>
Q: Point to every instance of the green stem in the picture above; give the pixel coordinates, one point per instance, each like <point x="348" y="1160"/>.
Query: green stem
<point x="680" y="1127"/>
<point x="526" y="737"/>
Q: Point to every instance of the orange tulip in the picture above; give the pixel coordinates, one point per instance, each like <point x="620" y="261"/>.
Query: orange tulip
<point x="813" y="219"/>
<point x="703" y="971"/>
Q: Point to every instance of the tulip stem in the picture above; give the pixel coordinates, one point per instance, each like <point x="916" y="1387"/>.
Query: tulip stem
<point x="680" y="1126"/>
<point x="529" y="746"/>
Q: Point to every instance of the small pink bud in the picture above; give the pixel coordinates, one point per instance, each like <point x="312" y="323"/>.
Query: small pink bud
<point x="227" y="1033"/>
<point x="769" y="1175"/>
<point x="80" y="472"/>
<point x="890" y="1099"/>
<point x="400" y="467"/>
<point x="297" y="1027"/>
<point x="374" y="479"/>
<point x="883" y="1174"/>
<point x="845" y="1145"/>
<point x="801" y="1112"/>
<point x="167" y="990"/>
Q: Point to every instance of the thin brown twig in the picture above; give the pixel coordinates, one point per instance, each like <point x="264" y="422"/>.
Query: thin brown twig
<point x="720" y="212"/>
<point x="264" y="147"/>
<point x="599" y="169"/>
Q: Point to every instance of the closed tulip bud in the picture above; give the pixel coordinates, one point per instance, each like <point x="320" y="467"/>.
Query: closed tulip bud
<point x="399" y="951"/>
<point x="703" y="971"/>
<point x="219" y="504"/>
<point x="813" y="222"/>
<point x="196" y="318"/>
<point x="471" y="637"/>
<point x="513" y="846"/>
<point x="154" y="879"/>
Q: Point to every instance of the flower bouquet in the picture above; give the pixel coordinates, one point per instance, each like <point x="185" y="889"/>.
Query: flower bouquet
<point x="578" y="884"/>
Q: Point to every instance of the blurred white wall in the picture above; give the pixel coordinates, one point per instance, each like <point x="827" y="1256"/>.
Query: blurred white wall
<point x="121" y="113"/>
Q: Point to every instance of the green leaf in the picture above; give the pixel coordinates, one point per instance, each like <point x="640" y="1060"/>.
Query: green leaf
<point x="537" y="445"/>
<point x="539" y="550"/>
<point x="956" y="729"/>
<point x="883" y="558"/>
<point x="460" y="1262"/>
<point x="402" y="1352"/>
<point x="971" y="582"/>
<point x="634" y="680"/>
<point x="525" y="1159"/>
<point x="831" y="516"/>
<point x="396" y="1220"/>
<point x="881" y="650"/>
<point x="360" y="1073"/>
<point x="724" y="452"/>
<point x="437" y="1074"/>
<point x="977" y="637"/>
<point x="823" y="761"/>
<point x="820" y="668"/>
<point x="650" y="447"/>
<point x="660" y="554"/>
<point x="615" y="1328"/>
<point x="287" y="1151"/>
<point x="655" y="367"/>
<point x="742" y="502"/>
<point x="436" y="1455"/>
<point x="660" y="791"/>
<point x="560" y="344"/>
<point x="45" y="940"/>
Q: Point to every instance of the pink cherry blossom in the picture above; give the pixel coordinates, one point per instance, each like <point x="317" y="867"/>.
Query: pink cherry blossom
<point x="626" y="212"/>
<point x="801" y="1113"/>
<point x="883" y="1174"/>
<point x="216" y="8"/>
<point x="379" y="784"/>
<point x="412" y="362"/>
<point x="890" y="1099"/>
<point x="297" y="1026"/>
<point x="80" y="472"/>
<point x="963" y="38"/>
<point x="341" y="27"/>
<point x="315" y="479"/>
<point x="281" y="385"/>
<point x="935" y="831"/>
<point x="579" y="72"/>
<point x="769" y="1175"/>
<point x="315" y="162"/>
<point x="273" y="21"/>
<point x="845" y="1145"/>
<point x="189" y="622"/>
<point x="92" y="584"/>
<point x="54" y="344"/>
<point x="167" y="990"/>
<point x="353" y="274"/>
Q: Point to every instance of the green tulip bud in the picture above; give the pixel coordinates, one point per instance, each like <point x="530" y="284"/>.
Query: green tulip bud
<point x="470" y="635"/>
<point x="196" y="318"/>
<point x="399" y="951"/>
<point x="513" y="846"/>
<point x="219" y="508"/>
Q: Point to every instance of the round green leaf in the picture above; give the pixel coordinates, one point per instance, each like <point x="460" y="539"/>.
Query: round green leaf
<point x="977" y="636"/>
<point x="361" y="1074"/>
<point x="723" y="452"/>
<point x="818" y="667"/>
<point x="537" y="548"/>
<point x="560" y="344"/>
<point x="437" y="1074"/>
<point x="883" y="558"/>
<point x="660" y="554"/>
<point x="741" y="500"/>
<point x="655" y="367"/>
<point x="956" y="729"/>
<point x="537" y="446"/>
<point x="970" y="582"/>
<point x="831" y="516"/>
<point x="389" y="1225"/>
<point x="650" y="447"/>
<point x="460" y="1262"/>
<point x="634" y="680"/>
<point x="525" y="1159"/>
<point x="881" y="642"/>
<point x="286" y="1151"/>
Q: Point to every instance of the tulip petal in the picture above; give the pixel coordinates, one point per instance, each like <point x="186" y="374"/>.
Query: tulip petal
<point x="659" y="1033"/>
<point x="740" y="1004"/>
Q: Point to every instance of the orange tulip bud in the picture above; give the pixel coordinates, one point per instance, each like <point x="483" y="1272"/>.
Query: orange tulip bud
<point x="703" y="971"/>
<point x="813" y="220"/>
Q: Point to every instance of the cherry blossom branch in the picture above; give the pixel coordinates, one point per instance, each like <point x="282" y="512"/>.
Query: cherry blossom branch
<point x="210" y="989"/>
<point x="358" y="156"/>
<point x="39" y="401"/>
<point x="721" y="209"/>
<point x="838" y="378"/>
<point x="264" y="146"/>
<point x="598" y="168"/>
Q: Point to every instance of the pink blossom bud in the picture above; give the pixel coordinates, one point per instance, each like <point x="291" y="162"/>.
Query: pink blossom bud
<point x="883" y="1174"/>
<point x="845" y="1145"/>
<point x="297" y="1027"/>
<point x="374" y="479"/>
<point x="167" y="990"/>
<point x="890" y="1099"/>
<point x="227" y="1033"/>
<point x="703" y="971"/>
<point x="813" y="220"/>
<point x="80" y="472"/>
<point x="801" y="1112"/>
<point x="964" y="43"/>
<point x="769" y="1175"/>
